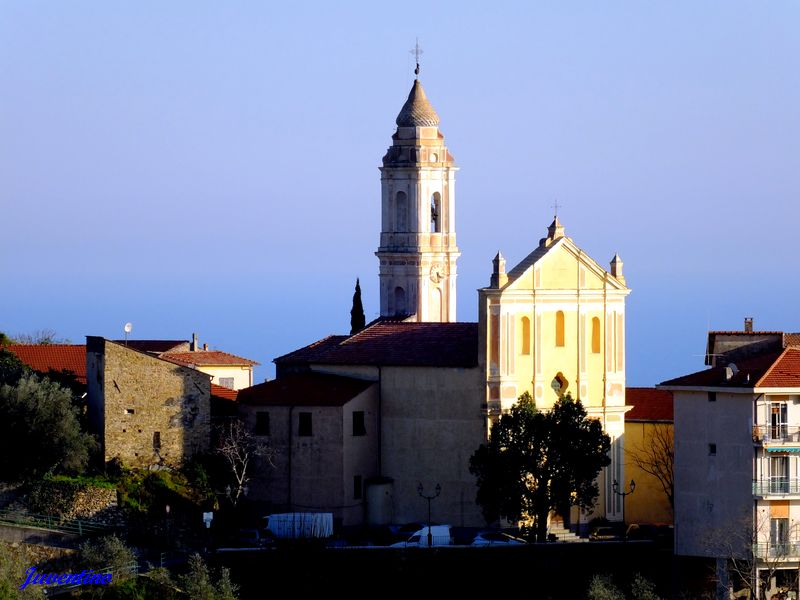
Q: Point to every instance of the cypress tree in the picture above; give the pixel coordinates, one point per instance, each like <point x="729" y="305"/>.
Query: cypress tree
<point x="357" y="320"/>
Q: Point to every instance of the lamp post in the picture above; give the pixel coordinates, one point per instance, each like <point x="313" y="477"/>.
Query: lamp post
<point x="631" y="488"/>
<point x="437" y="491"/>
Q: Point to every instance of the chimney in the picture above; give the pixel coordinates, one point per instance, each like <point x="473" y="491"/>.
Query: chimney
<point x="205" y="347"/>
<point x="499" y="277"/>
<point x="195" y="342"/>
<point x="748" y="324"/>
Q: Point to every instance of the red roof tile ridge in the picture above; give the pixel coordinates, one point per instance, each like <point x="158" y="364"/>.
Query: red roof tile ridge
<point x="206" y="353"/>
<point x="740" y="332"/>
<point x="772" y="367"/>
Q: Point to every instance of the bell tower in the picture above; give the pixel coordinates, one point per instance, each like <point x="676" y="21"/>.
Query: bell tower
<point x="418" y="251"/>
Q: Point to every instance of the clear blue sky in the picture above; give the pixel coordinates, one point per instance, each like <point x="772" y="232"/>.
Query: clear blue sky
<point x="212" y="166"/>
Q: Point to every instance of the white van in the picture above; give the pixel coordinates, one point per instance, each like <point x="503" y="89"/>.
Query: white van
<point x="440" y="536"/>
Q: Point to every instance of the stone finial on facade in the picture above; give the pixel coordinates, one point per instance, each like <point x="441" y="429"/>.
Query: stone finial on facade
<point x="555" y="231"/>
<point x="616" y="268"/>
<point x="499" y="276"/>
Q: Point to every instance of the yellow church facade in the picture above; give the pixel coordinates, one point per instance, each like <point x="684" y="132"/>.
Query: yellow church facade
<point x="555" y="325"/>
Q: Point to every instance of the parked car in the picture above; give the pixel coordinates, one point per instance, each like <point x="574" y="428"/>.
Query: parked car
<point x="604" y="534"/>
<point x="496" y="538"/>
<point x="253" y="538"/>
<point x="440" y="536"/>
<point x="641" y="531"/>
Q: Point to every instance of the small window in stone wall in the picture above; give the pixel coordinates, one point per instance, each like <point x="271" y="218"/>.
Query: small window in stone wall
<point x="262" y="423"/>
<point x="129" y="411"/>
<point x="304" y="428"/>
<point x="359" y="427"/>
<point x="226" y="382"/>
<point x="156" y="440"/>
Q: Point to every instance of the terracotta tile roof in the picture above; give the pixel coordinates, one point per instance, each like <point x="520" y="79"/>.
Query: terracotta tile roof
<point x="784" y="372"/>
<point x="308" y="389"/>
<point x="152" y="346"/>
<point x="791" y="339"/>
<point x="223" y="392"/>
<point x="394" y="343"/>
<point x="649" y="404"/>
<point x="58" y="357"/>
<point x="749" y="371"/>
<point x="207" y="358"/>
<point x="313" y="350"/>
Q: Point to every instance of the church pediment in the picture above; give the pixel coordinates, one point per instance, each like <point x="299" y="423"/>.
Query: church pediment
<point x="560" y="265"/>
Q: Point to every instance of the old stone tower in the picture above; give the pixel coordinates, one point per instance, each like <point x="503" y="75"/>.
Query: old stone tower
<point x="418" y="249"/>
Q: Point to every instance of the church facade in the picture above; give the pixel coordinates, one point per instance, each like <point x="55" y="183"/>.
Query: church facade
<point x="555" y="325"/>
<point x="552" y="325"/>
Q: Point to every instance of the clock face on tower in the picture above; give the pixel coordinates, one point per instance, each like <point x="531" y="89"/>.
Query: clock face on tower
<point x="437" y="272"/>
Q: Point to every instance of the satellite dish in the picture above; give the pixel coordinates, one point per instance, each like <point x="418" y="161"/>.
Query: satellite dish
<point x="128" y="327"/>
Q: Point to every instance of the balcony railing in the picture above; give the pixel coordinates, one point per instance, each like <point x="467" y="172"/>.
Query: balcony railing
<point x="776" y="486"/>
<point x="788" y="550"/>
<point x="776" y="434"/>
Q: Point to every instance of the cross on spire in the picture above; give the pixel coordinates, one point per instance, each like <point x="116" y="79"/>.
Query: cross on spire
<point x="556" y="206"/>
<point x="417" y="52"/>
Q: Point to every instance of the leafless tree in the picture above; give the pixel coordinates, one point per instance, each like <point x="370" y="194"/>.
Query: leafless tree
<point x="41" y="337"/>
<point x="753" y="557"/>
<point x="239" y="448"/>
<point x="656" y="456"/>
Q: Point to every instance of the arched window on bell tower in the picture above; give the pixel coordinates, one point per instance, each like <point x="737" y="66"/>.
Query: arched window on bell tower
<point x="399" y="301"/>
<point x="401" y="210"/>
<point x="436" y="213"/>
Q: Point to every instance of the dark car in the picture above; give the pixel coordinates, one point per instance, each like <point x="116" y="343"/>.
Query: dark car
<point x="642" y="531"/>
<point x="604" y="534"/>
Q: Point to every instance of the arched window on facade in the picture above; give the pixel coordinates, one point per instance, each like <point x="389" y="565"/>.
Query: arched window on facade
<point x="436" y="213"/>
<point x="525" y="324"/>
<point x="595" y="335"/>
<point x="401" y="209"/>
<point x="399" y="301"/>
<point x="560" y="328"/>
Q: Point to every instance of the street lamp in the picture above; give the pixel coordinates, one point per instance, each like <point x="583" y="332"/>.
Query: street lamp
<point x="631" y="488"/>
<point x="437" y="490"/>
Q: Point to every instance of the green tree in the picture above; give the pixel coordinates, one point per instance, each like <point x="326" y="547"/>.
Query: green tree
<point x="108" y="554"/>
<point x="357" y="319"/>
<point x="14" y="561"/>
<point x="11" y="368"/>
<point x="537" y="462"/>
<point x="602" y="588"/>
<point x="198" y="584"/>
<point x="40" y="431"/>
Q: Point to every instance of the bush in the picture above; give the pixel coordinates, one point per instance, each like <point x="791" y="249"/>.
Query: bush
<point x="198" y="585"/>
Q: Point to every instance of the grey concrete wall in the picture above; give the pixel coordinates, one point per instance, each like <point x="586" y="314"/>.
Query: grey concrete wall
<point x="431" y="424"/>
<point x="713" y="494"/>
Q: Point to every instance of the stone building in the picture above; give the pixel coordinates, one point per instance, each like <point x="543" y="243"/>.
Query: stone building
<point x="145" y="411"/>
<point x="325" y="431"/>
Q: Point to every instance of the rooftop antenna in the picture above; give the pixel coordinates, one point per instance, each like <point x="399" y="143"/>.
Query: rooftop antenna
<point x="417" y="52"/>
<point x="127" y="329"/>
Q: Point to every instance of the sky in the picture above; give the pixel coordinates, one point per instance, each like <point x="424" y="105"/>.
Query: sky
<point x="212" y="167"/>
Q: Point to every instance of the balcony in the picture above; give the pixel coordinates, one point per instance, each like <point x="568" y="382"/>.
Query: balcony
<point x="789" y="550"/>
<point x="776" y="435"/>
<point x="776" y="486"/>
